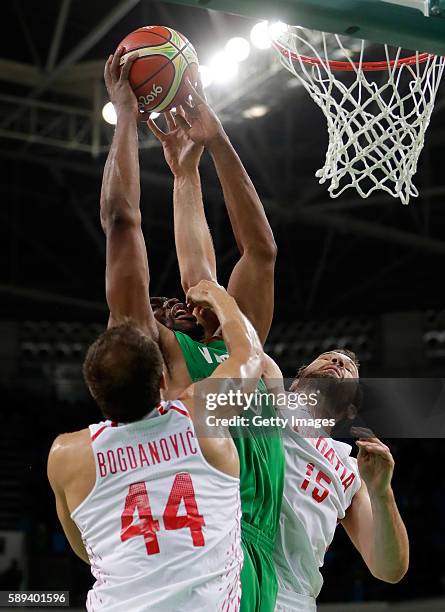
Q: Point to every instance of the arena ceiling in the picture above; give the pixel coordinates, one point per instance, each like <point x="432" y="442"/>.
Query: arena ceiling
<point x="335" y="256"/>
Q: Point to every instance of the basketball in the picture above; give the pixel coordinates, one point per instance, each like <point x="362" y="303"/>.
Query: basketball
<point x="159" y="75"/>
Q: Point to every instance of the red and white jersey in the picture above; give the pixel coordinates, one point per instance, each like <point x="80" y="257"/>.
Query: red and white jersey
<point x="161" y="526"/>
<point x="321" y="479"/>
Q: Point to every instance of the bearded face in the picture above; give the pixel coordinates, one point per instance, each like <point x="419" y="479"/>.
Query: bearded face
<point x="334" y="377"/>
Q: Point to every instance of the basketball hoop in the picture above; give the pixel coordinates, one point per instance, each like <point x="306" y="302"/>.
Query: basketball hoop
<point x="376" y="130"/>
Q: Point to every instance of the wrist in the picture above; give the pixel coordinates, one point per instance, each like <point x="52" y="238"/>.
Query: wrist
<point x="382" y="497"/>
<point x="186" y="174"/>
<point x="218" y="142"/>
<point x="221" y="301"/>
<point x="125" y="113"/>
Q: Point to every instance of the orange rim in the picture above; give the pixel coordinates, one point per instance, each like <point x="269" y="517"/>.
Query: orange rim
<point x="353" y="66"/>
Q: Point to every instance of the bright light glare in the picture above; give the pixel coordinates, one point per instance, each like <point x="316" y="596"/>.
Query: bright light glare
<point x="154" y="115"/>
<point x="276" y="29"/>
<point x="259" y="35"/>
<point x="223" y="68"/>
<point x="264" y="32"/>
<point x="254" y="112"/>
<point x="109" y="114"/>
<point x="206" y="76"/>
<point x="237" y="48"/>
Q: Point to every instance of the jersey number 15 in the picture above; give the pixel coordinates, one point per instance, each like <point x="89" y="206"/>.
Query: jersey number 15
<point x="318" y="493"/>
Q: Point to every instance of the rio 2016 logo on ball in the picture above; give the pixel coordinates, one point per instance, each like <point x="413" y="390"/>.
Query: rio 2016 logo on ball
<point x="166" y="59"/>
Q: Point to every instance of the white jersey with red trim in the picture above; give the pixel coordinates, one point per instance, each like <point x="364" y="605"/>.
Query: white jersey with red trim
<point x="161" y="526"/>
<point x="321" y="479"/>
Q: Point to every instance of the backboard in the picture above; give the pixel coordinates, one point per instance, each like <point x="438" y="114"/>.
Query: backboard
<point x="412" y="24"/>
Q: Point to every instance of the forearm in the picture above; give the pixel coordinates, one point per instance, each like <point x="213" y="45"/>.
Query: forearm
<point x="238" y="333"/>
<point x="120" y="193"/>
<point x="194" y="246"/>
<point x="249" y="222"/>
<point x="390" y="547"/>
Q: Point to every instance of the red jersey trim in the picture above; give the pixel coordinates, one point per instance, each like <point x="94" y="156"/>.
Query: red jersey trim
<point x="163" y="411"/>
<point x="181" y="411"/>
<point x="98" y="432"/>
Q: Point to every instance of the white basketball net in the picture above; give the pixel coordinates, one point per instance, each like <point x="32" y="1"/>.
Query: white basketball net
<point x="376" y="130"/>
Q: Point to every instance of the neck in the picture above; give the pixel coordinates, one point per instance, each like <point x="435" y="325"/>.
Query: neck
<point x="212" y="333"/>
<point x="326" y="407"/>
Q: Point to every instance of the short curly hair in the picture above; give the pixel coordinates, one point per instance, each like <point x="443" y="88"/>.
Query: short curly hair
<point x="123" y="370"/>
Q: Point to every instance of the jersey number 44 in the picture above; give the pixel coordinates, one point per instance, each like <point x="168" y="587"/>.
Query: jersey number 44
<point x="147" y="526"/>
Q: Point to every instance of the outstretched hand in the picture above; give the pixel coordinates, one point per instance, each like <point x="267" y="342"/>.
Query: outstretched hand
<point x="118" y="86"/>
<point x="198" y="119"/>
<point x="375" y="462"/>
<point x="181" y="153"/>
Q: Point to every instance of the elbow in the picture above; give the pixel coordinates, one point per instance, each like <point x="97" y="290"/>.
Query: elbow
<point x="393" y="576"/>
<point x="265" y="250"/>
<point x="118" y="214"/>
<point x="190" y="276"/>
<point x="255" y="361"/>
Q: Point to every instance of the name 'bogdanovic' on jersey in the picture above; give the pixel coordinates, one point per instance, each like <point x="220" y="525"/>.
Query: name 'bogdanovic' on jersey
<point x="321" y="479"/>
<point x="161" y="526"/>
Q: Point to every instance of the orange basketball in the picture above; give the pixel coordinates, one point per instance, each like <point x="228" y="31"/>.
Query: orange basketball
<point x="159" y="75"/>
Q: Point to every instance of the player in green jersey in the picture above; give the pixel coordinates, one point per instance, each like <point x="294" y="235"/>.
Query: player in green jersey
<point x="261" y="457"/>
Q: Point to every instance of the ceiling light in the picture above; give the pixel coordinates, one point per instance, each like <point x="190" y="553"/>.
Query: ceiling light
<point x="259" y="35"/>
<point x="206" y="76"/>
<point x="223" y="68"/>
<point x="254" y="112"/>
<point x="109" y="114"/>
<point x="238" y="49"/>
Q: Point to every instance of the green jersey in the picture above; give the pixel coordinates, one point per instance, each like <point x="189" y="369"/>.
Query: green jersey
<point x="261" y="480"/>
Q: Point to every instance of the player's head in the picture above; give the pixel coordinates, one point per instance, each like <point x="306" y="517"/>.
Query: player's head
<point x="175" y="315"/>
<point x="123" y="370"/>
<point x="336" y="374"/>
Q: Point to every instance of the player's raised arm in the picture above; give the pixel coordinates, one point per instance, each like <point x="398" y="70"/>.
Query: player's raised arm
<point x="254" y="272"/>
<point x="194" y="247"/>
<point x="373" y="521"/>
<point x="242" y="341"/>
<point x="240" y="372"/>
<point x="127" y="276"/>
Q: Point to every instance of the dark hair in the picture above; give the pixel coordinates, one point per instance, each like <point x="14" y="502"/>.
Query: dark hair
<point x="123" y="370"/>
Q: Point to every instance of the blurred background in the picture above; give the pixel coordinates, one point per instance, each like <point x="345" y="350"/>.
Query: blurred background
<point x="361" y="274"/>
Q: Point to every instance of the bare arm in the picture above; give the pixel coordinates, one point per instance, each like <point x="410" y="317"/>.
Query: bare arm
<point x="127" y="274"/>
<point x="240" y="371"/>
<point x="243" y="345"/>
<point x="57" y="466"/>
<point x="373" y="521"/>
<point x="254" y="272"/>
<point x="194" y="246"/>
<point x="253" y="234"/>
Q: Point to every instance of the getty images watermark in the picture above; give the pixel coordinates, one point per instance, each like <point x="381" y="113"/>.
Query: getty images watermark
<point x="239" y="402"/>
<point x="390" y="407"/>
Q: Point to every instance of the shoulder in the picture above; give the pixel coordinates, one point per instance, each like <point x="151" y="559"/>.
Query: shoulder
<point x="65" y="453"/>
<point x="67" y="442"/>
<point x="168" y="343"/>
